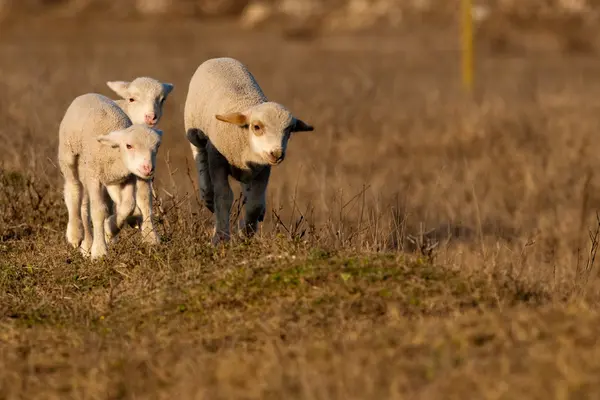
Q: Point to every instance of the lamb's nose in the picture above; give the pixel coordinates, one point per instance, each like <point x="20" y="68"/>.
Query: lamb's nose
<point x="147" y="169"/>
<point x="151" y="118"/>
<point x="277" y="154"/>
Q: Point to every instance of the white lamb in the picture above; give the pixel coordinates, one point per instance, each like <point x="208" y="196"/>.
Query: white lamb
<point x="101" y="151"/>
<point x="142" y="100"/>
<point x="235" y="131"/>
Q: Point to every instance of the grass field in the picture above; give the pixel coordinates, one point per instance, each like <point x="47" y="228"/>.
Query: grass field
<point x="418" y="244"/>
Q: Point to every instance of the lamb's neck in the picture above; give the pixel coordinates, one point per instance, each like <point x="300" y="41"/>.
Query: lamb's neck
<point x="251" y="160"/>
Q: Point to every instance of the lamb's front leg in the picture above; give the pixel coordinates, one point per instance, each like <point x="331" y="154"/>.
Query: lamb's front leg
<point x="255" y="195"/>
<point x="143" y="203"/>
<point x="123" y="195"/>
<point x="223" y="196"/>
<point x="98" y="211"/>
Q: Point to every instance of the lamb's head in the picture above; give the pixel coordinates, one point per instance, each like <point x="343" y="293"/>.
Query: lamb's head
<point x="143" y="98"/>
<point x="138" y="145"/>
<point x="269" y="128"/>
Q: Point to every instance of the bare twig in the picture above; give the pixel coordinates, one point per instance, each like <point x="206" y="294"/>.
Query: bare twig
<point x="582" y="274"/>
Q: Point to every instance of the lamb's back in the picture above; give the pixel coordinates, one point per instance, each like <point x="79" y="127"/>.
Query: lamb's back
<point x="89" y="116"/>
<point x="220" y="86"/>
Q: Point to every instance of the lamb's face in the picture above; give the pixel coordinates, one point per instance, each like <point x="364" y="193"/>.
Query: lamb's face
<point x="269" y="126"/>
<point x="138" y="145"/>
<point x="269" y="129"/>
<point x="144" y="98"/>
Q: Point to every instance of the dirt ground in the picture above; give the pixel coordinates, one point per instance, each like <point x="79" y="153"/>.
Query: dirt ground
<point x="498" y="298"/>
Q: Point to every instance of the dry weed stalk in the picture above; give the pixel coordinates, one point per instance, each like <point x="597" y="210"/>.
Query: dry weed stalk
<point x="425" y="243"/>
<point x="583" y="273"/>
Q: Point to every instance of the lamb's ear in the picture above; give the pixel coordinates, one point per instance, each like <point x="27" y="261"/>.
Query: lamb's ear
<point x="112" y="139"/>
<point x="158" y="131"/>
<point x="168" y="88"/>
<point x="301" y="126"/>
<point x="119" y="87"/>
<point x="235" y="118"/>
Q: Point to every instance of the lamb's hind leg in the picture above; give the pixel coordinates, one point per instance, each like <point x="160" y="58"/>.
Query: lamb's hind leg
<point x="143" y="212"/>
<point x="86" y="245"/>
<point x="73" y="190"/>
<point x="142" y="215"/>
<point x="123" y="196"/>
<point x="199" y="142"/>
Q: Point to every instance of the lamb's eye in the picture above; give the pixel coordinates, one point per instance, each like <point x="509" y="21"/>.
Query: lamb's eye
<point x="256" y="127"/>
<point x="131" y="99"/>
<point x="129" y="147"/>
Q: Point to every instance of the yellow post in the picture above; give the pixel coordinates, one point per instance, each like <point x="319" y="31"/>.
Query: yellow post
<point x="467" y="44"/>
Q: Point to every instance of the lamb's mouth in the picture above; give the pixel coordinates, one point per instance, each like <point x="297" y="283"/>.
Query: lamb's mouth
<point x="273" y="160"/>
<point x="144" y="176"/>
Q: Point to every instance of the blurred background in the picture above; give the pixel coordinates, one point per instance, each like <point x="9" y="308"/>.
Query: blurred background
<point x="562" y="21"/>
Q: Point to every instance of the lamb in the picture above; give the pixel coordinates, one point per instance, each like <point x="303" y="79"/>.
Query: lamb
<point x="235" y="131"/>
<point x="101" y="152"/>
<point x="142" y="100"/>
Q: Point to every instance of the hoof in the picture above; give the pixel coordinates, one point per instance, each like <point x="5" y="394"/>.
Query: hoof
<point x="84" y="252"/>
<point x="98" y="253"/>
<point x="134" y="221"/>
<point x="219" y="238"/>
<point x="151" y="238"/>
<point x="110" y="231"/>
<point x="75" y="234"/>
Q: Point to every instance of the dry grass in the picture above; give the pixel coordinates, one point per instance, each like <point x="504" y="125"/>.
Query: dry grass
<point x="344" y="295"/>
